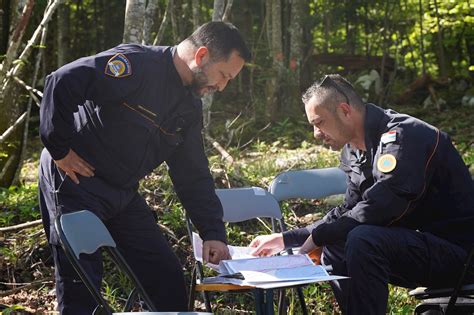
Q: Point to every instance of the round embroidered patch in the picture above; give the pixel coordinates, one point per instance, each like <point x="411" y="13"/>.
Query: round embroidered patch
<point x="118" y="66"/>
<point x="386" y="163"/>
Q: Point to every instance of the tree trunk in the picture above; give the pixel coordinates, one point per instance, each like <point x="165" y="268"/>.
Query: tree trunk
<point x="10" y="108"/>
<point x="151" y="15"/>
<point x="277" y="62"/>
<point x="439" y="34"/>
<point x="17" y="36"/>
<point x="217" y="13"/>
<point x="4" y="26"/>
<point x="63" y="34"/>
<point x="218" y="10"/>
<point x="296" y="41"/>
<point x="196" y="13"/>
<point x="326" y="27"/>
<point x="133" y="29"/>
<point x="351" y="30"/>
<point x="385" y="45"/>
<point x="422" y="49"/>
<point x="174" y="16"/>
<point x="24" y="141"/>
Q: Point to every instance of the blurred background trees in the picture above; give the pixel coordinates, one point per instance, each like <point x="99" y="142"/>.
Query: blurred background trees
<point x="411" y="52"/>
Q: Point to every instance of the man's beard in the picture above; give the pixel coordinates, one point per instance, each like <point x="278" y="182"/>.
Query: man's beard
<point x="199" y="82"/>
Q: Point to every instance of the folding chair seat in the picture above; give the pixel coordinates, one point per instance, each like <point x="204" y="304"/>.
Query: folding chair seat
<point x="456" y="300"/>
<point x="239" y="204"/>
<point x="82" y="232"/>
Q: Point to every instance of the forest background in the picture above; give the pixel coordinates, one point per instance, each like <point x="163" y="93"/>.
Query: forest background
<point x="416" y="56"/>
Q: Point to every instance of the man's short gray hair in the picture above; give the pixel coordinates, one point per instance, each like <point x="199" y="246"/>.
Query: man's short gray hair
<point x="335" y="89"/>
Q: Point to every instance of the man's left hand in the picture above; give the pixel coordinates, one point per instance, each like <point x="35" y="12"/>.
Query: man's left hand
<point x="215" y="251"/>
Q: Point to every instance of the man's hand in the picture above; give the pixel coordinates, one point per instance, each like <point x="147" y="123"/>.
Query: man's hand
<point x="267" y="245"/>
<point x="214" y="252"/>
<point x="72" y="164"/>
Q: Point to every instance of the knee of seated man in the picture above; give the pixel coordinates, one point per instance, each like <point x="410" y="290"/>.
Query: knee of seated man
<point x="363" y="239"/>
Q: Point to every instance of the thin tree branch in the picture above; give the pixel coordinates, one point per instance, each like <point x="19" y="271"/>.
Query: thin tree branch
<point x="30" y="90"/>
<point x="164" y="23"/>
<point x="14" y="228"/>
<point x="227" y="11"/>
<point x="48" y="13"/>
<point x="12" y="127"/>
<point x="220" y="149"/>
<point x="28" y="286"/>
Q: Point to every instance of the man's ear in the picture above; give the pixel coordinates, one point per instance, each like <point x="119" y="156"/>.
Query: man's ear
<point x="201" y="55"/>
<point x="346" y="109"/>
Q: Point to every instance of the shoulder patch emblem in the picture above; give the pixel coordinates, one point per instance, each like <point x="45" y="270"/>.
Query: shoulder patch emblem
<point x="118" y="66"/>
<point x="388" y="137"/>
<point x="386" y="163"/>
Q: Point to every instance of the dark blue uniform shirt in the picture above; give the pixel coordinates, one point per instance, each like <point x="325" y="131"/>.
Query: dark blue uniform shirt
<point x="430" y="188"/>
<point x="125" y="111"/>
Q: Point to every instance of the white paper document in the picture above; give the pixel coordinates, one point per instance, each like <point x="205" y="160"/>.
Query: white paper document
<point x="264" y="264"/>
<point x="263" y="272"/>
<point x="236" y="252"/>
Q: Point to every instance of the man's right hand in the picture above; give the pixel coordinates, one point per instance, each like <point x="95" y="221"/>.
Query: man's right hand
<point x="267" y="245"/>
<point x="73" y="164"/>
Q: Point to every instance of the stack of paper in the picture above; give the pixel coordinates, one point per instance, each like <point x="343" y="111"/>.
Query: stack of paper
<point x="261" y="270"/>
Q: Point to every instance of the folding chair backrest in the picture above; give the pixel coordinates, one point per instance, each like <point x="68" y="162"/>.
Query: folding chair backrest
<point x="85" y="232"/>
<point x="309" y="184"/>
<point x="82" y="232"/>
<point x="241" y="204"/>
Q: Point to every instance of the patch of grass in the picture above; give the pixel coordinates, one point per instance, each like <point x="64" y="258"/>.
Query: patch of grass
<point x="19" y="204"/>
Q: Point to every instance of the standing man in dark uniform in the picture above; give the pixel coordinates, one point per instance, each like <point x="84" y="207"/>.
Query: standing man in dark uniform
<point x="408" y="211"/>
<point x="110" y="119"/>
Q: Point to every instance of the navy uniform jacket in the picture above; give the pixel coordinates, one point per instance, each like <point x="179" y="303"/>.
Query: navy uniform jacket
<point x="125" y="111"/>
<point x="430" y="188"/>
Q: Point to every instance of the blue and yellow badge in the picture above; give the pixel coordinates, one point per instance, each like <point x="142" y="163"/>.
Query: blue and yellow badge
<point x="386" y="163"/>
<point x="118" y="66"/>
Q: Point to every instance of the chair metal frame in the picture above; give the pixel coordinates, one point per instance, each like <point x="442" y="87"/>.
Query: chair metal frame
<point x="449" y="301"/>
<point x="307" y="184"/>
<point x="82" y="232"/>
<point x="239" y="204"/>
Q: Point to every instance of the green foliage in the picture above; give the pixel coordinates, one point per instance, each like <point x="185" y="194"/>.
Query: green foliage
<point x="12" y="310"/>
<point x="18" y="204"/>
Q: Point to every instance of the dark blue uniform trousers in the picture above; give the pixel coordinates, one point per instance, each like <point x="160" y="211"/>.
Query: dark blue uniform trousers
<point x="131" y="224"/>
<point x="374" y="256"/>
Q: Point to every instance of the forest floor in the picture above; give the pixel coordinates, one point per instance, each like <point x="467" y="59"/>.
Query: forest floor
<point x="26" y="270"/>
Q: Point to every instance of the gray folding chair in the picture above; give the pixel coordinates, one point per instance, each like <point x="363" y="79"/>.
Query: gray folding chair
<point x="82" y="232"/>
<point x="239" y="204"/>
<point x="456" y="300"/>
<point x="308" y="184"/>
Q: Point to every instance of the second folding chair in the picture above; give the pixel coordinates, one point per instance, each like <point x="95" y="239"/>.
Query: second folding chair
<point x="240" y="204"/>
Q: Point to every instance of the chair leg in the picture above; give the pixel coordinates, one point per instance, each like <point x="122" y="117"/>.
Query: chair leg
<point x="282" y="302"/>
<point x="304" y="309"/>
<point x="207" y="301"/>
<point x="192" y="290"/>
<point x="132" y="298"/>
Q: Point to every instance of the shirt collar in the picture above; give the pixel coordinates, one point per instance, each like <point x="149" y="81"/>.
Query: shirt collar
<point x="374" y="125"/>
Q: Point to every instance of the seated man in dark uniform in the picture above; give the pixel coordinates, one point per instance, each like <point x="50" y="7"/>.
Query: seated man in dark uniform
<point x="408" y="211"/>
<point x="110" y="119"/>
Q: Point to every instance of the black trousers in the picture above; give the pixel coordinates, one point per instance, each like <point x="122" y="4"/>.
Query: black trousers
<point x="131" y="224"/>
<point x="374" y="256"/>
